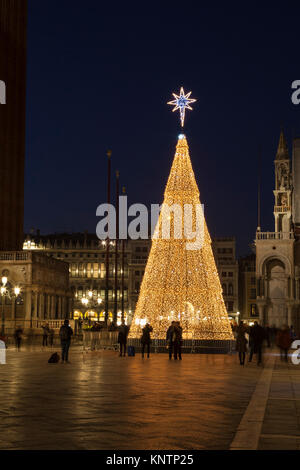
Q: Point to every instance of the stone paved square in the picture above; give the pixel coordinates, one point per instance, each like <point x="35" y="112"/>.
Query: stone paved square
<point x="102" y="401"/>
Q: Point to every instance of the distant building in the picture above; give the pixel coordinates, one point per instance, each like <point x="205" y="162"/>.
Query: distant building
<point x="42" y="293"/>
<point x="85" y="254"/>
<point x="247" y="288"/>
<point x="224" y="250"/>
<point x="278" y="252"/>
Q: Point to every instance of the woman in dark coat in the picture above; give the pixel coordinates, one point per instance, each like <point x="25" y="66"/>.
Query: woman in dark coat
<point x="146" y="339"/>
<point x="241" y="342"/>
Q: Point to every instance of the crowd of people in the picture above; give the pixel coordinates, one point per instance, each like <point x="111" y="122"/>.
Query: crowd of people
<point x="173" y="338"/>
<point x="251" y="339"/>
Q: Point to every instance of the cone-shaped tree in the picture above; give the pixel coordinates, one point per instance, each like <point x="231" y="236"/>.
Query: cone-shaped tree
<point x="179" y="283"/>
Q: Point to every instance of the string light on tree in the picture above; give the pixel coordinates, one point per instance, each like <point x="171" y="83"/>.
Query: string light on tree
<point x="179" y="284"/>
<point x="182" y="102"/>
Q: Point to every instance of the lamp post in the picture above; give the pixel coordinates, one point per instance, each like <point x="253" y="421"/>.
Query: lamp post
<point x="5" y="291"/>
<point x="17" y="292"/>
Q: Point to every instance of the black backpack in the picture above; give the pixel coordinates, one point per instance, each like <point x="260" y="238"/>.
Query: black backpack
<point x="54" y="359"/>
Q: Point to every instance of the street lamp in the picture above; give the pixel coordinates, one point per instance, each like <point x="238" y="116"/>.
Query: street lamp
<point x="4" y="290"/>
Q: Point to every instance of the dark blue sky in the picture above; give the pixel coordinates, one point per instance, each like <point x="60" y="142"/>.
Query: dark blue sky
<point x="100" y="79"/>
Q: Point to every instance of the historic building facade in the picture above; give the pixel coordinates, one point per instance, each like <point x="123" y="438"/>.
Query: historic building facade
<point x="224" y="250"/>
<point x="86" y="256"/>
<point x="278" y="252"/>
<point x="34" y="289"/>
<point x="247" y="289"/>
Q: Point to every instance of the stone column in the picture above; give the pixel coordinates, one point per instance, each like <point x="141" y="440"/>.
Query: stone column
<point x="266" y="292"/>
<point x="60" y="307"/>
<point x="35" y="305"/>
<point x="27" y="307"/>
<point x="297" y="288"/>
<point x="53" y="306"/>
<point x="48" y="311"/>
<point x="290" y="314"/>
<point x="261" y="308"/>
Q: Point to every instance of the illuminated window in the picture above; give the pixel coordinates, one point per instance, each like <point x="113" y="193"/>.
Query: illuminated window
<point x="95" y="270"/>
<point x="88" y="270"/>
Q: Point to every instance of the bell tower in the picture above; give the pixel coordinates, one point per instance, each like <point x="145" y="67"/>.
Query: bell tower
<point x="283" y="189"/>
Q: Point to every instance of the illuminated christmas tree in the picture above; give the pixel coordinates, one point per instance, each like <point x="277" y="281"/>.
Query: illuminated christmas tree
<point x="181" y="284"/>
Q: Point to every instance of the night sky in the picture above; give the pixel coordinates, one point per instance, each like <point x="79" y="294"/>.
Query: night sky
<point x="100" y="79"/>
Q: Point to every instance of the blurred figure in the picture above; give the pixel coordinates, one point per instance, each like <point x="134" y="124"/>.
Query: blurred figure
<point x="174" y="338"/>
<point x="293" y="333"/>
<point x="51" y="337"/>
<point x="18" y="337"/>
<point x="146" y="339"/>
<point x="170" y="337"/>
<point x="122" y="338"/>
<point x="65" y="334"/>
<point x="268" y="335"/>
<point x="178" y="341"/>
<point x="257" y="335"/>
<point x="241" y="342"/>
<point x="46" y="331"/>
<point x="284" y="342"/>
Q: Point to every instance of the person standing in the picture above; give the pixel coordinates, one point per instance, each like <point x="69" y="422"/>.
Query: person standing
<point x="171" y="335"/>
<point x="241" y="342"/>
<point x="18" y="337"/>
<point x="122" y="338"/>
<point x="284" y="342"/>
<point x="65" y="334"/>
<point x="45" y="334"/>
<point x="146" y="339"/>
<point x="178" y="341"/>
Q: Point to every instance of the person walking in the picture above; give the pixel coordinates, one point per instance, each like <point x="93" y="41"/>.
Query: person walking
<point x="284" y="342"/>
<point x="122" y="338"/>
<point x="241" y="342"/>
<point x="18" y="337"/>
<point x="45" y="334"/>
<point x="258" y="335"/>
<point x="65" y="334"/>
<point x="146" y="339"/>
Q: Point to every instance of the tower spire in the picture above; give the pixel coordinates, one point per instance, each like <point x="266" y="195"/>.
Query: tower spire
<point x="282" y="150"/>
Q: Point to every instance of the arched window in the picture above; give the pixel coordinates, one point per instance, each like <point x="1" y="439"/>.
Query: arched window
<point x="230" y="289"/>
<point x="224" y="287"/>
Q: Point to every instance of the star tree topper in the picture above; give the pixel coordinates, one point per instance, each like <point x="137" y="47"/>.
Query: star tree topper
<point x="182" y="102"/>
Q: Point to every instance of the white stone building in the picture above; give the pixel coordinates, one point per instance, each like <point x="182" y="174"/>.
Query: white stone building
<point x="278" y="252"/>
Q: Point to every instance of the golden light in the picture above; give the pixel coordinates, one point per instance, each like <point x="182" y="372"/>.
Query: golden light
<point x="84" y="301"/>
<point x="90" y="294"/>
<point x="17" y="291"/>
<point x="183" y="282"/>
<point x="3" y="290"/>
<point x="4" y="280"/>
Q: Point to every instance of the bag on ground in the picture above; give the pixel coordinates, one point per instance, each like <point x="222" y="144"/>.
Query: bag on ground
<point x="54" y="359"/>
<point x="131" y="351"/>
